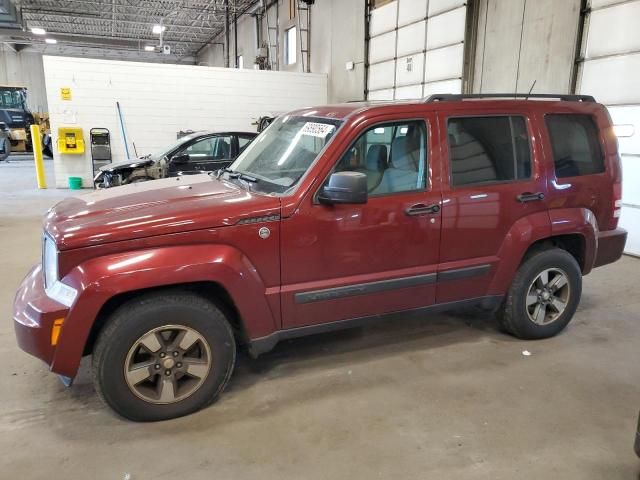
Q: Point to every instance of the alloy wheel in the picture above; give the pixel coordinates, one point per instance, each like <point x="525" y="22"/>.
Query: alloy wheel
<point x="167" y="364"/>
<point x="548" y="296"/>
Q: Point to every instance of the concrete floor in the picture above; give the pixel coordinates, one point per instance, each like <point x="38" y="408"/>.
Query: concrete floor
<point x="439" y="397"/>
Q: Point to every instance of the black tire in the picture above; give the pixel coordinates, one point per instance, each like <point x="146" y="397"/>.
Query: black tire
<point x="46" y="146"/>
<point x="5" y="148"/>
<point x="141" y="315"/>
<point x="514" y="317"/>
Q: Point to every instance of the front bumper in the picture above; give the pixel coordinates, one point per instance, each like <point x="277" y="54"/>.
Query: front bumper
<point x="610" y="246"/>
<point x="18" y="134"/>
<point x="33" y="316"/>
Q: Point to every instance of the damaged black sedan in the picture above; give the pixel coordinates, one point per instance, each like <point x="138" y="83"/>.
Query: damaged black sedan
<point x="194" y="153"/>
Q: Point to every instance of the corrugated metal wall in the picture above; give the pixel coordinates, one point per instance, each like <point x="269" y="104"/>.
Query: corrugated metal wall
<point x="522" y="41"/>
<point x="24" y="68"/>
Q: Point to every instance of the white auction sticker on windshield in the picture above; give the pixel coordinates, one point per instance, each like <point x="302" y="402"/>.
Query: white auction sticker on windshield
<point x="320" y="130"/>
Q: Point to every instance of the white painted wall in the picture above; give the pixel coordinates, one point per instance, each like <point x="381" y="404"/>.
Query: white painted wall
<point x="159" y="100"/>
<point x="24" y="68"/>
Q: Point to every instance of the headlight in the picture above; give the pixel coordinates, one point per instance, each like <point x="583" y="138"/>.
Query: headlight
<point x="55" y="289"/>
<point x="49" y="262"/>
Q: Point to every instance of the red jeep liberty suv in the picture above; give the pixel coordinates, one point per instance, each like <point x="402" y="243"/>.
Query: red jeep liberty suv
<point x="333" y="217"/>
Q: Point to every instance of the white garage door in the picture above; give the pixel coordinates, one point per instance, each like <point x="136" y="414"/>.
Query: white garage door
<point x="416" y="48"/>
<point x="610" y="72"/>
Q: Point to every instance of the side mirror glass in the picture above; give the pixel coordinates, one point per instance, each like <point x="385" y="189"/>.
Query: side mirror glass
<point x="344" y="187"/>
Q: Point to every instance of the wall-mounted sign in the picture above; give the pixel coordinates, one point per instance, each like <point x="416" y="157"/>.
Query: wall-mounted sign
<point x="65" y="93"/>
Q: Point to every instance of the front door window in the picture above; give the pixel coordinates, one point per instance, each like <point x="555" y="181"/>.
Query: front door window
<point x="393" y="156"/>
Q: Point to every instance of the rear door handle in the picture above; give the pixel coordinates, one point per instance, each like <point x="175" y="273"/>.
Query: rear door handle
<point x="422" y="209"/>
<point x="530" y="197"/>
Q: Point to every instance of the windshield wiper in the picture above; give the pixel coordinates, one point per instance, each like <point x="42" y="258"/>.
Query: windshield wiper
<point x="218" y="173"/>
<point x="235" y="174"/>
<point x="247" y="177"/>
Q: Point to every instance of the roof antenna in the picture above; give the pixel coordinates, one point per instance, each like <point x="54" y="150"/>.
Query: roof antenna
<point x="531" y="89"/>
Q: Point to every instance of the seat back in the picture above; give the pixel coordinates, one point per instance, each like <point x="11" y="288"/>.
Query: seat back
<point x="470" y="163"/>
<point x="403" y="171"/>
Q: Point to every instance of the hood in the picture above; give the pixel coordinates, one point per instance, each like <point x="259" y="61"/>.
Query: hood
<point x="131" y="163"/>
<point x="146" y="209"/>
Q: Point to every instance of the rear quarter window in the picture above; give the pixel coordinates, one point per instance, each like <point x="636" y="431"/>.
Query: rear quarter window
<point x="575" y="145"/>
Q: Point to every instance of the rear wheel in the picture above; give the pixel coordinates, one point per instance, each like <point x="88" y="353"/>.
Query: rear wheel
<point x="544" y="295"/>
<point x="163" y="356"/>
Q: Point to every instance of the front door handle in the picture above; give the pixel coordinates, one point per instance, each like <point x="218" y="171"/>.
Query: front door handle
<point x="422" y="209"/>
<point x="530" y="197"/>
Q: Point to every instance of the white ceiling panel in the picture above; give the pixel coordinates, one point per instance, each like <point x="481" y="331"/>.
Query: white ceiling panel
<point x="411" y="38"/>
<point x="630" y="117"/>
<point x="382" y="75"/>
<point x="382" y="47"/>
<point x="410" y="70"/>
<point x="612" y="80"/>
<point x="604" y="3"/>
<point x="629" y="220"/>
<point x="614" y="30"/>
<point x="446" y="29"/>
<point x="446" y="86"/>
<point x="384" y="19"/>
<point x="439" y="6"/>
<point x="411" y="10"/>
<point x="409" y="93"/>
<point x="386" y="94"/>
<point x="445" y="63"/>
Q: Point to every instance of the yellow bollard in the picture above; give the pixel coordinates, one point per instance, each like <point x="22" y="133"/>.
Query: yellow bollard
<point x="36" y="141"/>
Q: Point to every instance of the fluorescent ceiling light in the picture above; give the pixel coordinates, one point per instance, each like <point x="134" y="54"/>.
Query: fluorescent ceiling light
<point x="624" y="130"/>
<point x="158" y="28"/>
<point x="51" y="40"/>
<point x="38" y="31"/>
<point x="149" y="48"/>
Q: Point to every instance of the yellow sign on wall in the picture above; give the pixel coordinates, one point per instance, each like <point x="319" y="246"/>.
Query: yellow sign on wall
<point x="65" y="93"/>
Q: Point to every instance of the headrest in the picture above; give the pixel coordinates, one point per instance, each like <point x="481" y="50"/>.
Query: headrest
<point x="405" y="153"/>
<point x="376" y="158"/>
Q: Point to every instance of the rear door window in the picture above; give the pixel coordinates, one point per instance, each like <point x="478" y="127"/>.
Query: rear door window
<point x="486" y="150"/>
<point x="575" y="144"/>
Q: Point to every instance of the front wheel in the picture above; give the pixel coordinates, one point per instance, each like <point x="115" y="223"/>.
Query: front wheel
<point x="544" y="295"/>
<point x="163" y="356"/>
<point x="5" y="148"/>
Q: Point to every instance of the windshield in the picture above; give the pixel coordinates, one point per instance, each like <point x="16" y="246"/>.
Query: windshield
<point x="283" y="152"/>
<point x="11" y="98"/>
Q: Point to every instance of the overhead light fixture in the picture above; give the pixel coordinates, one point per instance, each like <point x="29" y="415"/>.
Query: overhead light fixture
<point x="149" y="48"/>
<point x="51" y="41"/>
<point x="38" y="31"/>
<point x="158" y="29"/>
<point x="624" y="131"/>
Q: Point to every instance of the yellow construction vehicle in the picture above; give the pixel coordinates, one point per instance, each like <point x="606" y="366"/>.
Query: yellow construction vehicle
<point x="15" y="120"/>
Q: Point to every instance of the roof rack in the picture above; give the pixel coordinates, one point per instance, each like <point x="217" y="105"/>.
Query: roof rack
<point x="561" y="96"/>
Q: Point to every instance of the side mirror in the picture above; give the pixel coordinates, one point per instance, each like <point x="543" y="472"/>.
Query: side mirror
<point x="344" y="187"/>
<point x="180" y="159"/>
